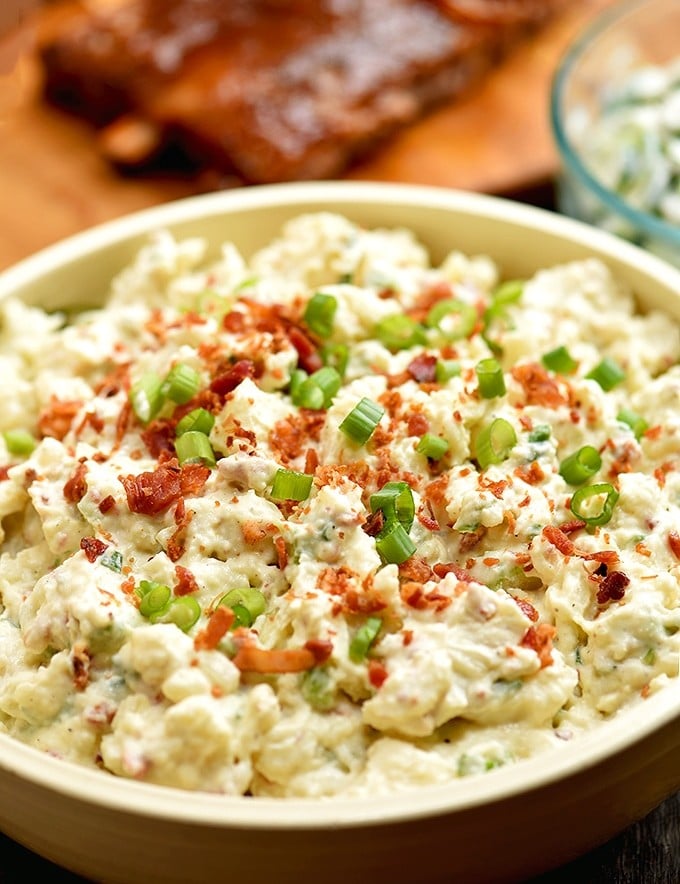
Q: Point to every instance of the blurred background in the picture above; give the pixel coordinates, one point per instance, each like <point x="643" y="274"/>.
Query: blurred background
<point x="465" y="108"/>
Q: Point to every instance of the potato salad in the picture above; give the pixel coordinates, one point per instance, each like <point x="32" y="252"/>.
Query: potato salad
<point x="334" y="520"/>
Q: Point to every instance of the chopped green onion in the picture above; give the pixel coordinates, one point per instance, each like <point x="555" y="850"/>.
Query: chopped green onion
<point x="560" y="361"/>
<point x="241" y="616"/>
<point x="607" y="374"/>
<point x="194" y="447"/>
<point x="316" y="688"/>
<point x="19" y="442"/>
<point x="289" y="485"/>
<point x="329" y="381"/>
<point x="508" y="292"/>
<point x="494" y="346"/>
<point x="363" y="639"/>
<point x="200" y="420"/>
<point x="247" y="604"/>
<point x="458" y="317"/>
<point x="181" y="383"/>
<point x="432" y="446"/>
<point x="155" y="597"/>
<point x="336" y="356"/>
<point x="581" y="465"/>
<point x="395" y="499"/>
<point x="317" y="391"/>
<point x="360" y="423"/>
<point x="112" y="560"/>
<point x="399" y="332"/>
<point x="297" y="379"/>
<point x="490" y="378"/>
<point x="320" y="313"/>
<point x="594" y="504"/>
<point x="649" y="658"/>
<point x="540" y="433"/>
<point x="309" y="395"/>
<point x="247" y="283"/>
<point x="637" y="423"/>
<point x="393" y="544"/>
<point x="146" y="397"/>
<point x="494" y="442"/>
<point x="183" y="612"/>
<point x="445" y="369"/>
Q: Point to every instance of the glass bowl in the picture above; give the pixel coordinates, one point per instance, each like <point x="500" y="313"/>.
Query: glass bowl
<point x="619" y="151"/>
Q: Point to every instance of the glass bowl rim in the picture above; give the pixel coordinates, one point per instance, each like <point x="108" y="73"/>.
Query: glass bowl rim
<point x="642" y="221"/>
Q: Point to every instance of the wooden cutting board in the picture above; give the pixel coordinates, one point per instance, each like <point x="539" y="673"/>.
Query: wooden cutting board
<point x="495" y="139"/>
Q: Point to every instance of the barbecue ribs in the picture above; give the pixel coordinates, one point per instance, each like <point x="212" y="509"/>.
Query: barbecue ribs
<point x="272" y="90"/>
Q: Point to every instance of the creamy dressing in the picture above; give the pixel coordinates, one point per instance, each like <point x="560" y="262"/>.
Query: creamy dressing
<point x="514" y="625"/>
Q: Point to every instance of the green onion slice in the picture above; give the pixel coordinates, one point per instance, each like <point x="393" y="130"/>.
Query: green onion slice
<point x="594" y="504"/>
<point x="432" y="446"/>
<point x="317" y="391"/>
<point x="181" y="383"/>
<point x="496" y="319"/>
<point x="363" y="639"/>
<point x="112" y="560"/>
<point x="581" y="465"/>
<point x="607" y="373"/>
<point x="316" y="687"/>
<point x="635" y="421"/>
<point x="399" y="332"/>
<point x="559" y="360"/>
<point x="155" y="597"/>
<point x="194" y="447"/>
<point x="494" y="442"/>
<point x="336" y="356"/>
<point x="490" y="378"/>
<point x="320" y="313"/>
<point x="540" y="433"/>
<point x="360" y="423"/>
<point x="393" y="544"/>
<point x="246" y="602"/>
<point x="200" y="420"/>
<point x="297" y="379"/>
<point x="395" y="499"/>
<point x="445" y="369"/>
<point x="183" y="612"/>
<point x="146" y="397"/>
<point x="19" y="442"/>
<point x="290" y="485"/>
<point x="508" y="292"/>
<point x="453" y="318"/>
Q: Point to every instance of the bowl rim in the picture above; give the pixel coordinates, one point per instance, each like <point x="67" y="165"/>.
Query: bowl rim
<point x="116" y="794"/>
<point x="606" y="20"/>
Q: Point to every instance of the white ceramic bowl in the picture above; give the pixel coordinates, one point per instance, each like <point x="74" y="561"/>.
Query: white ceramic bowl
<point x="504" y="826"/>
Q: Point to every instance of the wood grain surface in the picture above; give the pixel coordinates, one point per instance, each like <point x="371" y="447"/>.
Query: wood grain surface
<point x="53" y="182"/>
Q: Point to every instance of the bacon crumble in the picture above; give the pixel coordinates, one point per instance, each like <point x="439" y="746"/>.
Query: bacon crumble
<point x="75" y="487"/>
<point x="93" y="548"/>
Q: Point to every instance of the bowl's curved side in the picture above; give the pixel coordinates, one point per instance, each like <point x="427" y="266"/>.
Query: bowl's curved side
<point x="512" y="823"/>
<point x="501" y="841"/>
<point x="521" y="238"/>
